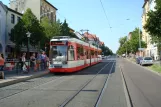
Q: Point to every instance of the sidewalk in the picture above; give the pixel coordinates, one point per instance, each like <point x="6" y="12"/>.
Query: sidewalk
<point x="12" y="78"/>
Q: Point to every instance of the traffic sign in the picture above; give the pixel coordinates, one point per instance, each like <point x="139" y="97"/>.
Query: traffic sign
<point x="141" y="49"/>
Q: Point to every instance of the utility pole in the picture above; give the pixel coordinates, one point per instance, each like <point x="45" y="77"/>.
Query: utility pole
<point x="140" y="43"/>
<point x="126" y="46"/>
<point x="86" y="30"/>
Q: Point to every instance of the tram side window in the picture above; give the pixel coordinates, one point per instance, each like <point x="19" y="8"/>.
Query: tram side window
<point x="70" y="53"/>
<point x="54" y="52"/>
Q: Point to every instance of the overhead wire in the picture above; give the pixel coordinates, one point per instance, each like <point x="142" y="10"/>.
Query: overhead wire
<point x="105" y="15"/>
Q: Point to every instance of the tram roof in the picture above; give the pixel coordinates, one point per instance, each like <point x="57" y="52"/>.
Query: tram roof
<point x="67" y="38"/>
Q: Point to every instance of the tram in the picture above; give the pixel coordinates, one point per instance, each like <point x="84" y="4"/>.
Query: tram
<point x="71" y="54"/>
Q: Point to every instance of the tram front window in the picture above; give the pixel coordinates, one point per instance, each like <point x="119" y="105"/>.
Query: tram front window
<point x="59" y="51"/>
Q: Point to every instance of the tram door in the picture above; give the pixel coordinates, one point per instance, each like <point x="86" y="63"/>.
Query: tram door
<point x="85" y="57"/>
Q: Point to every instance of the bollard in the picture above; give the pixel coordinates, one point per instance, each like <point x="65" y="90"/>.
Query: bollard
<point x="2" y="75"/>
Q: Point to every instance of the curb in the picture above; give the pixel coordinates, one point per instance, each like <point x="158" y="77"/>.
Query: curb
<point x="7" y="83"/>
<point x="159" y="74"/>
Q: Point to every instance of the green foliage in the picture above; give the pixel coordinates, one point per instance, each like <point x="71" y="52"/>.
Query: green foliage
<point x="132" y="45"/>
<point x="153" y="24"/>
<point x="29" y="23"/>
<point x="122" y="40"/>
<point x="105" y="50"/>
<point x="65" y="30"/>
<point x="51" y="28"/>
<point x="158" y="4"/>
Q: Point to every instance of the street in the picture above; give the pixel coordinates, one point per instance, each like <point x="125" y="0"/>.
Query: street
<point x="143" y="85"/>
<point x="101" y="85"/>
<point x="56" y="90"/>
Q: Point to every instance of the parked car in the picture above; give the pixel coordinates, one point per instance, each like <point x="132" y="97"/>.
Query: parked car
<point x="138" y="59"/>
<point x="146" y="61"/>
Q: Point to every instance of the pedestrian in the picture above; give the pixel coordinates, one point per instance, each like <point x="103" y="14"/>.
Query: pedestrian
<point x="43" y="60"/>
<point x="1" y="63"/>
<point x="38" y="60"/>
<point x="33" y="62"/>
<point x="23" y="59"/>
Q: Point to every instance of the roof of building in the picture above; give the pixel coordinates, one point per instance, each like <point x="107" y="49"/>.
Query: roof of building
<point x="50" y="4"/>
<point x="88" y="35"/>
<point x="9" y="9"/>
<point x="3" y="6"/>
<point x="145" y="1"/>
<point x="71" y="30"/>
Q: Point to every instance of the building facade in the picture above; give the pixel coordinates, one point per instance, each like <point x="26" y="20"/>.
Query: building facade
<point x="40" y="8"/>
<point x="3" y="18"/>
<point x="13" y="17"/>
<point x="8" y="19"/>
<point x="151" y="49"/>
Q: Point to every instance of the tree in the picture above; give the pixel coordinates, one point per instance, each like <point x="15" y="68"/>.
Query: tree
<point x="122" y="40"/>
<point x="132" y="45"/>
<point x="29" y="23"/>
<point x="66" y="30"/>
<point x="153" y="24"/>
<point x="134" y="41"/>
<point x="51" y="28"/>
<point x="105" y="50"/>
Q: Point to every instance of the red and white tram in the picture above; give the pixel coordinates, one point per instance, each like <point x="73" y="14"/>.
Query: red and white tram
<point x="71" y="54"/>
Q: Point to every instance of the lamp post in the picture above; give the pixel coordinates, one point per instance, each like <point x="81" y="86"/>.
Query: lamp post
<point x="28" y="47"/>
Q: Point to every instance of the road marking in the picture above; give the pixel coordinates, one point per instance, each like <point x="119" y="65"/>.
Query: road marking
<point x="104" y="87"/>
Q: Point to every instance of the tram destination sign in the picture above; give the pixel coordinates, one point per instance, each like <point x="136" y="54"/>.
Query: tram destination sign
<point x="58" y="43"/>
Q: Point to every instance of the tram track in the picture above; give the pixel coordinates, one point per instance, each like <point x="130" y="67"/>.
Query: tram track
<point x="104" y="87"/>
<point x="69" y="99"/>
<point x="22" y="90"/>
<point x="33" y="83"/>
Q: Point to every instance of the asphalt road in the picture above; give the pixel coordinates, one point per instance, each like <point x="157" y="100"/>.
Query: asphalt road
<point x="144" y="86"/>
<point x="53" y="90"/>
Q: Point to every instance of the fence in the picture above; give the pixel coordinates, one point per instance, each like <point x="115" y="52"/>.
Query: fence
<point x="16" y="65"/>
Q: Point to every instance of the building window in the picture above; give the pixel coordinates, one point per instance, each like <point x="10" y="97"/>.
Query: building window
<point x="16" y="9"/>
<point x="12" y="18"/>
<point x="18" y="18"/>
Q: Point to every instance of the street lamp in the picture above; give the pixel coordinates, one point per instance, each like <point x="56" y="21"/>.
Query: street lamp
<point x="28" y="47"/>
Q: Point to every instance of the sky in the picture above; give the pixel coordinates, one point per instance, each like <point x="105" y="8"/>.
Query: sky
<point x="89" y="14"/>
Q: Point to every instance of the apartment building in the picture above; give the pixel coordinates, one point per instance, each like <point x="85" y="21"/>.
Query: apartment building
<point x="151" y="49"/>
<point x="40" y="8"/>
<point x="93" y="39"/>
<point x="3" y="18"/>
<point x="8" y="19"/>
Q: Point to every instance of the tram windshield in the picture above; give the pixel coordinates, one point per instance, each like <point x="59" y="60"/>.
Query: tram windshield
<point x="59" y="51"/>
